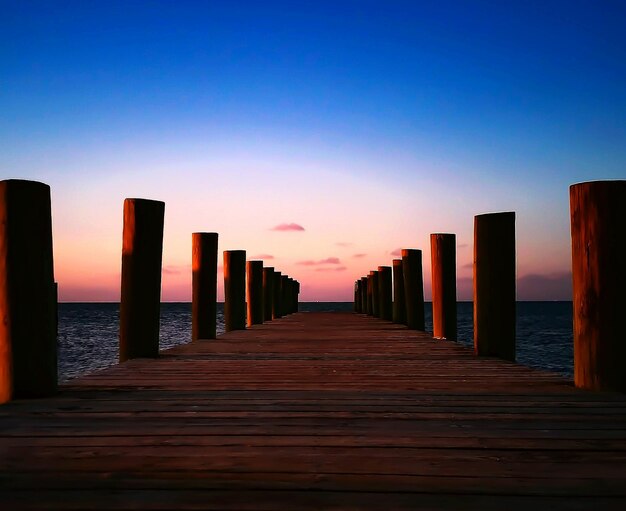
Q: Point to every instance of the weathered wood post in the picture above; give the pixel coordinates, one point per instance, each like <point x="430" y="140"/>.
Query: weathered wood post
<point x="443" y="264"/>
<point x="142" y="252"/>
<point x="268" y="293"/>
<point x="384" y="292"/>
<point x="375" y="294"/>
<point x="598" y="216"/>
<point x="297" y="298"/>
<point x="363" y="295"/>
<point x="399" y="305"/>
<point x="28" y="354"/>
<point x="413" y="288"/>
<point x="284" y="295"/>
<point x="255" y="292"/>
<point x="494" y="285"/>
<point x="277" y="302"/>
<point x="370" y="291"/>
<point x="204" y="285"/>
<point x="234" y="290"/>
<point x="355" y="303"/>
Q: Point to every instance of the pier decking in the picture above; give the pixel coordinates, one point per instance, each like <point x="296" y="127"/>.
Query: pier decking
<point x="316" y="411"/>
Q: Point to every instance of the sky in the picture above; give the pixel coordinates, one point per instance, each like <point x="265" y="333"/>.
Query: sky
<point x="367" y="125"/>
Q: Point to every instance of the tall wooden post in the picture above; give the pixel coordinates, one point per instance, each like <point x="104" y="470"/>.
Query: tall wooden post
<point x="399" y="305"/>
<point x="443" y="264"/>
<point x="255" y="292"/>
<point x="598" y="216"/>
<point x="297" y="304"/>
<point x="234" y="290"/>
<point x="384" y="292"/>
<point x="284" y="293"/>
<point x="28" y="354"/>
<point x="375" y="294"/>
<point x="370" y="297"/>
<point x="142" y="252"/>
<point x="494" y="285"/>
<point x="363" y="295"/>
<point x="204" y="285"/>
<point x="277" y="302"/>
<point x="268" y="293"/>
<point x="413" y="288"/>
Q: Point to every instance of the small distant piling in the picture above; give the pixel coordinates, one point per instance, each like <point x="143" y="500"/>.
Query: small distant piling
<point x="268" y="293"/>
<point x="399" y="305"/>
<point x="598" y="226"/>
<point x="494" y="285"/>
<point x="443" y="264"/>
<point x="254" y="285"/>
<point x="234" y="290"/>
<point x="28" y="348"/>
<point x="385" y="292"/>
<point x="363" y="295"/>
<point x="142" y="252"/>
<point x="204" y="285"/>
<point x="413" y="288"/>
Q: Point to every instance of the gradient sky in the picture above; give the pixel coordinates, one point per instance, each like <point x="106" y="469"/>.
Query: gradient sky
<point x="368" y="124"/>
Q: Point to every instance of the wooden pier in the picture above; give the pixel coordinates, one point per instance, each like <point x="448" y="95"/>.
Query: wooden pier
<point x="316" y="411"/>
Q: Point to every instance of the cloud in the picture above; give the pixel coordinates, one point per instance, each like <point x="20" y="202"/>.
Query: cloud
<point x="176" y="269"/>
<point x="554" y="286"/>
<point x="359" y="256"/>
<point x="463" y="245"/>
<point x="262" y="256"/>
<point x="338" y="268"/>
<point x="287" y="227"/>
<point x="344" y="244"/>
<point x="397" y="252"/>
<point x="468" y="266"/>
<point x="328" y="260"/>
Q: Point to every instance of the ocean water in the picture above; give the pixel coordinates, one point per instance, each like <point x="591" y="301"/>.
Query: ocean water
<point x="88" y="332"/>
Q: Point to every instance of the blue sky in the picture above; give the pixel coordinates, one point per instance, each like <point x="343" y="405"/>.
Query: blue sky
<point x="450" y="108"/>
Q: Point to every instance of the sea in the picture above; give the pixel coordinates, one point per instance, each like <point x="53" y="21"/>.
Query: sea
<point x="88" y="332"/>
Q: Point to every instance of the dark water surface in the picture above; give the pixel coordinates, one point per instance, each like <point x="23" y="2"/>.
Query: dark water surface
<point x="88" y="332"/>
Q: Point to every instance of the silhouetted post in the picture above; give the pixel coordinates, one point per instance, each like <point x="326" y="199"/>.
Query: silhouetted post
<point x="494" y="285"/>
<point x="357" y="296"/>
<point x="28" y="354"/>
<point x="399" y="305"/>
<point x="413" y="288"/>
<point x="375" y="294"/>
<point x="598" y="216"/>
<point x="370" y="292"/>
<point x="234" y="290"/>
<point x="297" y="304"/>
<point x="363" y="295"/>
<point x="255" y="292"/>
<point x="204" y="285"/>
<point x="284" y="295"/>
<point x="268" y="293"/>
<point x="277" y="302"/>
<point x="443" y="264"/>
<point x="384" y="292"/>
<point x="142" y="252"/>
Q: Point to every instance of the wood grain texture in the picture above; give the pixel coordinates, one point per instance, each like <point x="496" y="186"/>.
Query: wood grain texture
<point x="316" y="411"/>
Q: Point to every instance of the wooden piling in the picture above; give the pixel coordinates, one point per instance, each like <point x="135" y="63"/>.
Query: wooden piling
<point x="384" y="293"/>
<point x="277" y="302"/>
<point x="142" y="252"/>
<point x="355" y="303"/>
<point x="369" y="292"/>
<point x="598" y="222"/>
<point x="399" y="305"/>
<point x="204" y="285"/>
<point x="234" y="290"/>
<point x="443" y="265"/>
<point x="363" y="295"/>
<point x="375" y="294"/>
<point x="268" y="293"/>
<point x="297" y="297"/>
<point x="494" y="285"/>
<point x="413" y="288"/>
<point x="254" y="286"/>
<point x="284" y="295"/>
<point x="28" y="354"/>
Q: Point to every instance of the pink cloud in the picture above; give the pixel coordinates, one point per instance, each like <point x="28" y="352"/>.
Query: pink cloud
<point x="176" y="269"/>
<point x="328" y="260"/>
<point x="262" y="256"/>
<point x="397" y="252"/>
<point x="359" y="256"/>
<point x="338" y="268"/>
<point x="343" y="244"/>
<point x="287" y="227"/>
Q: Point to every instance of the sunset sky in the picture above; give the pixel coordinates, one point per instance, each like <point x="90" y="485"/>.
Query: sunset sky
<point x="367" y="125"/>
